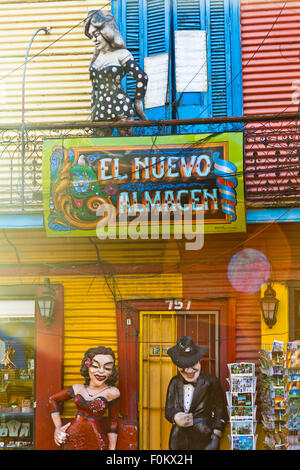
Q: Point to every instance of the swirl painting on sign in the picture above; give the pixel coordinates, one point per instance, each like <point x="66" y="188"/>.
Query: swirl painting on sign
<point x="91" y="180"/>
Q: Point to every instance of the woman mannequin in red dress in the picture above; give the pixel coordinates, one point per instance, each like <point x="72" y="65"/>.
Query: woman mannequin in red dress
<point x="92" y="399"/>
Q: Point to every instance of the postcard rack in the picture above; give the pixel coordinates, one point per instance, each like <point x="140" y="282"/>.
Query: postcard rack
<point x="280" y="396"/>
<point x="241" y="405"/>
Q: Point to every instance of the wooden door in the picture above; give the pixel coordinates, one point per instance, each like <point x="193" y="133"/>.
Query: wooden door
<point x="158" y="332"/>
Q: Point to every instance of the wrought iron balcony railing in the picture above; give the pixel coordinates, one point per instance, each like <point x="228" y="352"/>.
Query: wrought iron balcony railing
<point x="271" y="155"/>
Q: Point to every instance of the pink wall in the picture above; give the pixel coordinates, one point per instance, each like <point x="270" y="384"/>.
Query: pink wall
<point x="270" y="37"/>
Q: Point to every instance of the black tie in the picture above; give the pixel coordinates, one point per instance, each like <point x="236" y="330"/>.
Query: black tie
<point x="185" y="382"/>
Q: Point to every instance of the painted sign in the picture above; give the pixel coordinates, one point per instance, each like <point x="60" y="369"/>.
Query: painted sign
<point x="132" y="174"/>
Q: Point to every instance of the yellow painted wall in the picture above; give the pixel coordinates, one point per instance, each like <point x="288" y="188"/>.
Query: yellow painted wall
<point x="34" y="248"/>
<point x="280" y="331"/>
<point x="90" y="314"/>
<point x="58" y="76"/>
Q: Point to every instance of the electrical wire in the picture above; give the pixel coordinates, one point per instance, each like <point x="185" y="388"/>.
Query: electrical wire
<point x="264" y="170"/>
<point x="99" y="263"/>
<point x="51" y="44"/>
<point x="197" y="72"/>
<point x="251" y="58"/>
<point x="151" y="276"/>
<point x="154" y="342"/>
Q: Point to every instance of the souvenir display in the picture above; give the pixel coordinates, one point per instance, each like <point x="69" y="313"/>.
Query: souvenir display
<point x="241" y="405"/>
<point x="280" y="395"/>
<point x="16" y="384"/>
<point x="93" y="399"/>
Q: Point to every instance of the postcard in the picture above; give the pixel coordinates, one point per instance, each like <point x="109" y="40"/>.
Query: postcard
<point x="278" y="370"/>
<point x="279" y="403"/>
<point x="241" y="368"/>
<point x="293" y="345"/>
<point x="293" y="359"/>
<point x="242" y="442"/>
<point x="240" y="399"/>
<point x="277" y="346"/>
<point x="242" y="412"/>
<point x="293" y="385"/>
<point x="242" y="384"/>
<point x="242" y="427"/>
<point x="279" y="392"/>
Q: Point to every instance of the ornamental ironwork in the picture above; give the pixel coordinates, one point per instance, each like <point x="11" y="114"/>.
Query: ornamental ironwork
<point x="271" y="155"/>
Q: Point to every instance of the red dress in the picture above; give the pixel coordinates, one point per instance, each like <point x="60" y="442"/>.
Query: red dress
<point x="86" y="431"/>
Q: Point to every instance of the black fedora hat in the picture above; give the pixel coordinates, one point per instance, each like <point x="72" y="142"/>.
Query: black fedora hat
<point x="185" y="353"/>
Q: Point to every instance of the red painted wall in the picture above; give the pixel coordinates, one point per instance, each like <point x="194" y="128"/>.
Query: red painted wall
<point x="270" y="38"/>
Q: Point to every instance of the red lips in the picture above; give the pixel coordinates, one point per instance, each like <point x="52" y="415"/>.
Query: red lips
<point x="100" y="377"/>
<point x="191" y="376"/>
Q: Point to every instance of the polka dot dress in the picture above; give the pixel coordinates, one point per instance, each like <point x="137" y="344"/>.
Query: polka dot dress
<point x="109" y="101"/>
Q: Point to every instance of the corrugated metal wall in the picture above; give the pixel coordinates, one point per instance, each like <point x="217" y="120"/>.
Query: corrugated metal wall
<point x="57" y="80"/>
<point x="270" y="36"/>
<point x="270" y="33"/>
<point x="205" y="275"/>
<point x="90" y="313"/>
<point x="89" y="306"/>
<point x="33" y="247"/>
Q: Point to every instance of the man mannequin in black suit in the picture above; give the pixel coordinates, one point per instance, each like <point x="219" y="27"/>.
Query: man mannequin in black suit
<point x="195" y="403"/>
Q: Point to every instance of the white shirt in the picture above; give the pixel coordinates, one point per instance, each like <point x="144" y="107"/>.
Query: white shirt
<point x="188" y="392"/>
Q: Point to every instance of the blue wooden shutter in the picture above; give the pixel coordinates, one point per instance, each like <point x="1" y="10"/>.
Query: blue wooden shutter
<point x="226" y="97"/>
<point x="190" y="15"/>
<point x="156" y="14"/>
<point x="157" y="26"/>
<point x="131" y="28"/>
<point x="221" y="20"/>
<point x="187" y="14"/>
<point x="219" y="65"/>
<point x="144" y="25"/>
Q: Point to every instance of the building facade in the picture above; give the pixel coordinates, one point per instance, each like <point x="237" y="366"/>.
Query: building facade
<point x="138" y="296"/>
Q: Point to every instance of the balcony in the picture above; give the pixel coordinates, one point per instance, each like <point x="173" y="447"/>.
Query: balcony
<point x="271" y="155"/>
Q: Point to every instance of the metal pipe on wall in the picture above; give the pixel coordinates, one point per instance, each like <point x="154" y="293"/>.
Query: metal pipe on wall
<point x="46" y="30"/>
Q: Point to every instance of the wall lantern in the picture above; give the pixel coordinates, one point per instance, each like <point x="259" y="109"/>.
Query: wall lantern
<point x="269" y="306"/>
<point x="46" y="302"/>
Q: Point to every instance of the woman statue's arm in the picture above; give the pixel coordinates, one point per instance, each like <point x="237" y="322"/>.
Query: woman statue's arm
<point x="55" y="403"/>
<point x="113" y="412"/>
<point x="132" y="67"/>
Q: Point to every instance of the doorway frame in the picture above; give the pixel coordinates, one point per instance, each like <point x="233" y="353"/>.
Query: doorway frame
<point x="128" y="327"/>
<point x="292" y="287"/>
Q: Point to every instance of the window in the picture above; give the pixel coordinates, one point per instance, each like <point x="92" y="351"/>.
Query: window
<point x="191" y="51"/>
<point x="17" y="374"/>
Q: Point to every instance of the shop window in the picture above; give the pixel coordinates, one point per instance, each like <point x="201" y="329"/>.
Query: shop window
<point x="17" y="374"/>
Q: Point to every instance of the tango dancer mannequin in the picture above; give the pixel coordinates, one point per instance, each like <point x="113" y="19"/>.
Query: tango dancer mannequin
<point x="92" y="399"/>
<point x="195" y="403"/>
<point x="110" y="63"/>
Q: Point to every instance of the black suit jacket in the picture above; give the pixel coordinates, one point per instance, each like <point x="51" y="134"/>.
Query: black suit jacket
<point x="208" y="404"/>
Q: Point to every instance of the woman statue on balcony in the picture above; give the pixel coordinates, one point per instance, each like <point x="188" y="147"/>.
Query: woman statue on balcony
<point x="110" y="63"/>
<point x="92" y="399"/>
